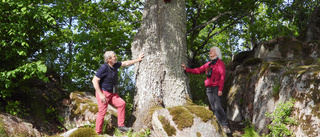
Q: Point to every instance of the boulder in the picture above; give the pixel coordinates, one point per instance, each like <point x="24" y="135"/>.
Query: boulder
<point x="185" y="121"/>
<point x="14" y="126"/>
<point x="81" y="109"/>
<point x="281" y="47"/>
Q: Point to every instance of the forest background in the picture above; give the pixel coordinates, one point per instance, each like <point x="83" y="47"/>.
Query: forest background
<point x="45" y="41"/>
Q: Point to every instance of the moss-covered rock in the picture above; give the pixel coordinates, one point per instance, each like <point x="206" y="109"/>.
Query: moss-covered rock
<point x="252" y="61"/>
<point x="253" y="92"/>
<point x="83" y="132"/>
<point x="186" y="121"/>
<point x="17" y="127"/>
<point x="201" y="112"/>
<point x="181" y="116"/>
<point x="82" y="104"/>
<point x="2" y="129"/>
<point x="81" y="109"/>
<point x="170" y="130"/>
<point x="281" y="47"/>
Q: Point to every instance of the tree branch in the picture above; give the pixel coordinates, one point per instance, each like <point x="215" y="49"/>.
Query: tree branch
<point x="201" y="26"/>
<point x="211" y="35"/>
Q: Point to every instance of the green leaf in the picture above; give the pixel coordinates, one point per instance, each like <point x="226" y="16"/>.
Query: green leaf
<point x="23" y="9"/>
<point x="22" y="53"/>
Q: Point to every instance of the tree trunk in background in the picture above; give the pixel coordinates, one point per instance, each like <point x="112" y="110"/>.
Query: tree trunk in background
<point x="314" y="26"/>
<point x="313" y="30"/>
<point x="160" y="80"/>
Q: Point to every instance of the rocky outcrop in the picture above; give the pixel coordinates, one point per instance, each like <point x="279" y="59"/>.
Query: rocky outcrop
<point x="14" y="126"/>
<point x="280" y="69"/>
<point x="81" y="110"/>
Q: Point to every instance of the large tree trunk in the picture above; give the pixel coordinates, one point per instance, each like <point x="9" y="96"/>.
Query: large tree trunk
<point x="160" y="80"/>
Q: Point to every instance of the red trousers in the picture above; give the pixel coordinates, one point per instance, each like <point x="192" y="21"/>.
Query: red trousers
<point x="115" y="100"/>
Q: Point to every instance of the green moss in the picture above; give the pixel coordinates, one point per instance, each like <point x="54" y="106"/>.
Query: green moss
<point x="276" y="90"/>
<point x="263" y="69"/>
<point x="252" y="62"/>
<point x="243" y="71"/>
<point x="3" y="132"/>
<point x="83" y="132"/>
<point x="198" y="134"/>
<point x="242" y="56"/>
<point x="249" y="77"/>
<point x="295" y="46"/>
<point x="201" y="112"/>
<point x="299" y="70"/>
<point x="270" y="46"/>
<point x="315" y="97"/>
<point x="274" y="69"/>
<point x="181" y="117"/>
<point x="92" y="107"/>
<point x="309" y="61"/>
<point x="148" y="117"/>
<point x="305" y="122"/>
<point x="281" y="62"/>
<point x="190" y="102"/>
<point x="232" y="95"/>
<point x="316" y="108"/>
<point x="272" y="66"/>
<point x="218" y="127"/>
<point x="287" y="38"/>
<point x="170" y="130"/>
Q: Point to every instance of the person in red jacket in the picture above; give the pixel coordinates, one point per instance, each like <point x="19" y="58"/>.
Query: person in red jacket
<point x="215" y="70"/>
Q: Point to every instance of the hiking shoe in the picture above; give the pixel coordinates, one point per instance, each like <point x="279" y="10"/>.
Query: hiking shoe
<point x="226" y="129"/>
<point x="124" y="128"/>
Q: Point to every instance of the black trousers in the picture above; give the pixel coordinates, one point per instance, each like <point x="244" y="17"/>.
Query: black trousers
<point x="216" y="107"/>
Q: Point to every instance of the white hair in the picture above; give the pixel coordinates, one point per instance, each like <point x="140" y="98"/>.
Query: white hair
<point x="218" y="51"/>
<point x="107" y="55"/>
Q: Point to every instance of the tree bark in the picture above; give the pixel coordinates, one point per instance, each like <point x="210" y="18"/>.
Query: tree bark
<point x="160" y="80"/>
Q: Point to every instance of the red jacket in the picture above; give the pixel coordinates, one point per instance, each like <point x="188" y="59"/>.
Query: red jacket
<point x="217" y="77"/>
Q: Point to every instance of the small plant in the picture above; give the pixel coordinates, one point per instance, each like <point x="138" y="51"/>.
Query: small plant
<point x="16" y="108"/>
<point x="281" y="119"/>
<point x="117" y="132"/>
<point x="249" y="131"/>
<point x="147" y="133"/>
<point x="276" y="90"/>
<point x="93" y="126"/>
<point x="61" y="119"/>
<point x="60" y="128"/>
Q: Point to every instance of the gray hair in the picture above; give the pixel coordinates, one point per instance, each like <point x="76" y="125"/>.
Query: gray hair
<point x="107" y="55"/>
<point x="218" y="51"/>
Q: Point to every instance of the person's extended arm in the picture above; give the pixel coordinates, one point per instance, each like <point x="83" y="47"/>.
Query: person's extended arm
<point x="130" y="62"/>
<point x="95" y="82"/>
<point x="195" y="70"/>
